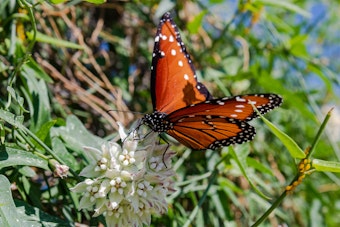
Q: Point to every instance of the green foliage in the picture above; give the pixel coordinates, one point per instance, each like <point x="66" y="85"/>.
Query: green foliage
<point x="69" y="72"/>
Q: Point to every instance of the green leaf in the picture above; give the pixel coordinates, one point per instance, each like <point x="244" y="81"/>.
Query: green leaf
<point x="44" y="132"/>
<point x="2" y="132"/>
<point x="196" y="23"/>
<point x="216" y="1"/>
<point x="27" y="171"/>
<point x="11" y="118"/>
<point x="96" y="1"/>
<point x="297" y="46"/>
<point x="259" y="166"/>
<point x="286" y="5"/>
<point x="317" y="69"/>
<point x="8" y="212"/>
<point x="14" y="157"/>
<point x="19" y="100"/>
<point x="61" y="151"/>
<point x="38" y="217"/>
<point x="32" y="67"/>
<point x="288" y="142"/>
<point x="32" y="191"/>
<point x="241" y="160"/>
<point x="76" y="136"/>
<point x="40" y="37"/>
<point x="326" y="166"/>
<point x="57" y="1"/>
<point x="37" y="92"/>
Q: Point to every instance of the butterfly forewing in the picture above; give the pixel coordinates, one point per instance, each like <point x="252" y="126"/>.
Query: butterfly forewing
<point x="173" y="79"/>
<point x="237" y="107"/>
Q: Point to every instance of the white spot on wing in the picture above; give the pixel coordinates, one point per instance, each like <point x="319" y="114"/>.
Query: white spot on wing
<point x="173" y="52"/>
<point x="157" y="39"/>
<point x="239" y="99"/>
<point x="186" y="77"/>
<point x="180" y="63"/>
<point x="171" y="39"/>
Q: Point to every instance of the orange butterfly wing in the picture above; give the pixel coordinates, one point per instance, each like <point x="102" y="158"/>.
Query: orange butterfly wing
<point x="173" y="79"/>
<point x="184" y="108"/>
<point x="219" y="122"/>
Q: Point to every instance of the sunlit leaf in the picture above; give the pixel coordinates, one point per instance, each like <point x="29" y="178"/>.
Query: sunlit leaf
<point x="288" y="142"/>
<point x="326" y="166"/>
<point x="196" y="23"/>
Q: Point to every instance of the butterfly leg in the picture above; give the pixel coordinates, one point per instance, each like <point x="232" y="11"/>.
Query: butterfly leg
<point x="167" y="147"/>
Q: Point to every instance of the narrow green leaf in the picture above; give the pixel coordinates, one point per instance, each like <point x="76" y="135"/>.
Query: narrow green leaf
<point x="44" y="132"/>
<point x="40" y="37"/>
<point x="240" y="159"/>
<point x="2" y="132"/>
<point x="288" y="142"/>
<point x="318" y="70"/>
<point x="57" y="1"/>
<point x="326" y="166"/>
<point x="96" y="1"/>
<point x="8" y="212"/>
<point x="32" y="67"/>
<point x="259" y="166"/>
<point x="216" y="1"/>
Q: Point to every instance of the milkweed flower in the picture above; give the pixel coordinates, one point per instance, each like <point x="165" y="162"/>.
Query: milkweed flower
<point x="127" y="183"/>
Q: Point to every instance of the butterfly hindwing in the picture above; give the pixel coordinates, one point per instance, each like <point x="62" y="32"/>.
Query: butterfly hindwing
<point x="173" y="79"/>
<point x="200" y="132"/>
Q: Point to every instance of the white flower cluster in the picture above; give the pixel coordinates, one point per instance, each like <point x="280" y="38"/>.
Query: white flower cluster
<point x="128" y="183"/>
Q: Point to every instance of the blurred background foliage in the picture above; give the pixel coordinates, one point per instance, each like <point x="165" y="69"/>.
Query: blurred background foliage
<point x="87" y="59"/>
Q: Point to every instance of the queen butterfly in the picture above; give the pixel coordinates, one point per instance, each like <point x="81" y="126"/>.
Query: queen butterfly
<point x="184" y="108"/>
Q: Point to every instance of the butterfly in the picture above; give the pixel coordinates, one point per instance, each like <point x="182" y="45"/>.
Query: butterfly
<point x="184" y="108"/>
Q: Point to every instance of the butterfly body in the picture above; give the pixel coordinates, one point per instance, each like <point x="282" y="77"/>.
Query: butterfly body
<point x="184" y="108"/>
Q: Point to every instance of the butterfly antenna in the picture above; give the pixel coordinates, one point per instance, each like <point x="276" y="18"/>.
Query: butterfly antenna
<point x="126" y="111"/>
